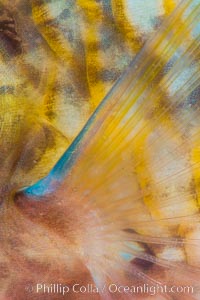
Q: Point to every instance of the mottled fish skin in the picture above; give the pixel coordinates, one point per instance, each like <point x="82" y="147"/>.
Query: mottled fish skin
<point x="53" y="48"/>
<point x="68" y="55"/>
<point x="93" y="40"/>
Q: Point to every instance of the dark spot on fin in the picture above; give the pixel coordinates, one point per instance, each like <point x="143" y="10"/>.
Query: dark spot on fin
<point x="130" y="230"/>
<point x="142" y="264"/>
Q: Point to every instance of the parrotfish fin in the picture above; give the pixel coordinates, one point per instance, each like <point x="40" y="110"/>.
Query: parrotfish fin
<point x="137" y="160"/>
